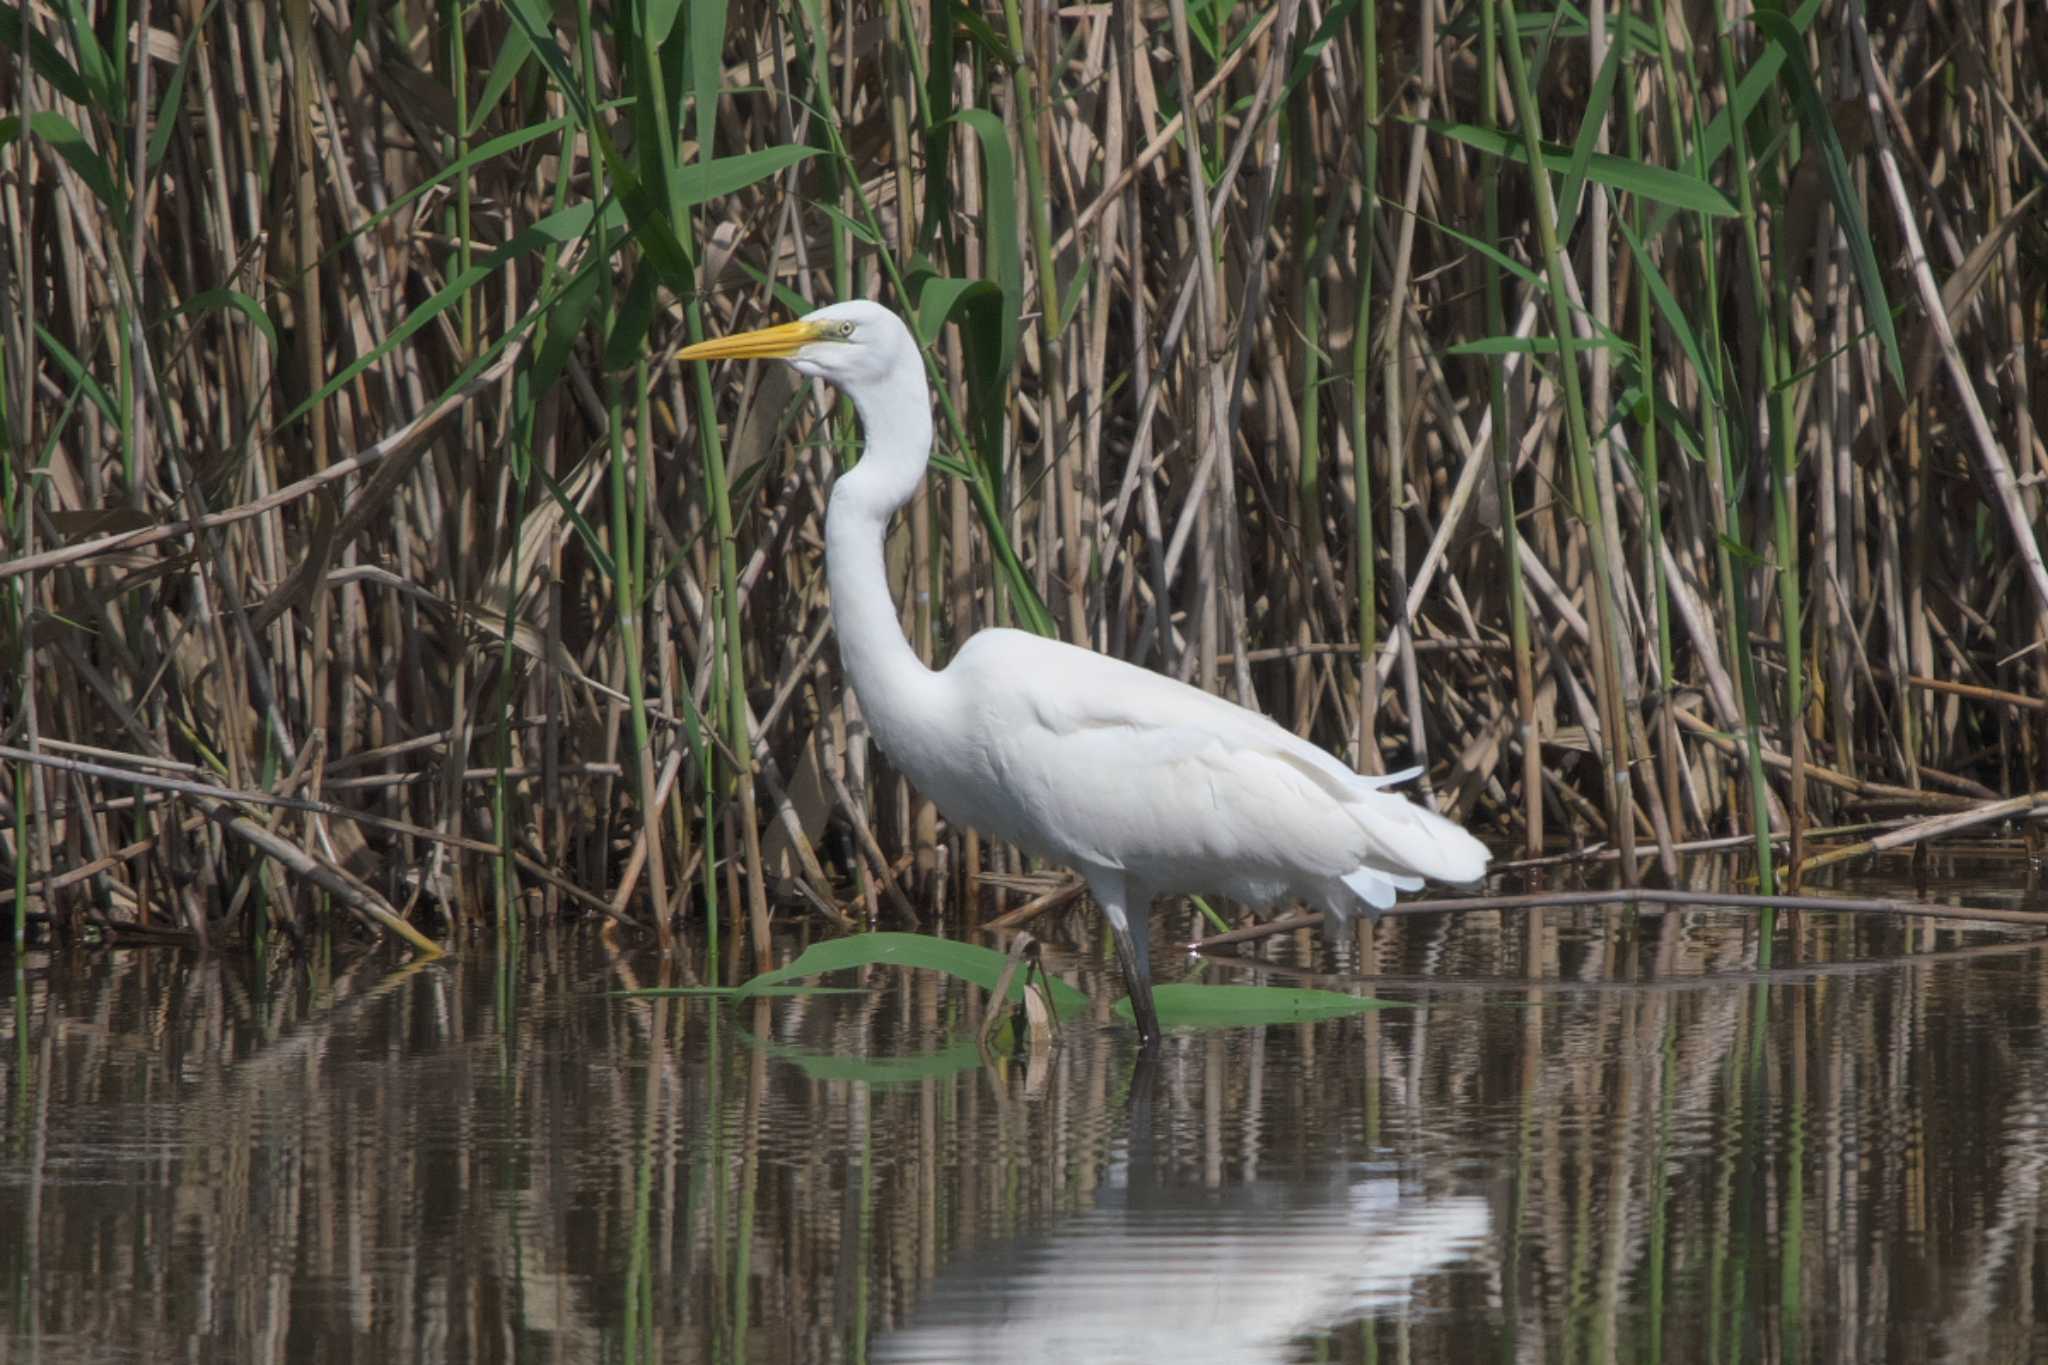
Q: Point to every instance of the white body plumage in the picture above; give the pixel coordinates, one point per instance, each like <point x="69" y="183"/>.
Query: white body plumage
<point x="1089" y="761"/>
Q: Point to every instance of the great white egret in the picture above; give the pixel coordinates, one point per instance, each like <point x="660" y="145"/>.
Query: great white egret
<point x="1142" y="784"/>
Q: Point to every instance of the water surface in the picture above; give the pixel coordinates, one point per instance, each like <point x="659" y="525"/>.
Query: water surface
<point x="1586" y="1136"/>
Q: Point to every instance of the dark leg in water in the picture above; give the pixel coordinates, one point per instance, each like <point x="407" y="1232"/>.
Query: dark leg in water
<point x="1127" y="918"/>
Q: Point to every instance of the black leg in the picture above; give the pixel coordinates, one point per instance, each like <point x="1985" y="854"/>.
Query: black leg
<point x="1127" y="919"/>
<point x="1130" y="952"/>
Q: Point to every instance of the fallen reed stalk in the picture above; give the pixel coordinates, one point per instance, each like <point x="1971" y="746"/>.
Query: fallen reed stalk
<point x="1566" y="900"/>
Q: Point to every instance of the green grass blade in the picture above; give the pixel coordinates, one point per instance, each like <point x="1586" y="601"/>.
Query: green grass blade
<point x="1334" y="19"/>
<point x="631" y="319"/>
<point x="1005" y="234"/>
<point x="450" y="294"/>
<point x="1590" y="122"/>
<point x="1537" y="345"/>
<point x="968" y="961"/>
<point x="44" y="56"/>
<point x="708" y="180"/>
<point x="1718" y="134"/>
<point x="101" y="73"/>
<point x="565" y="322"/>
<point x="593" y="543"/>
<point x="1530" y="278"/>
<point x="513" y="55"/>
<point x="703" y="55"/>
<point x="470" y="160"/>
<point x="67" y="141"/>
<point x="1820" y="126"/>
<point x="174" y="93"/>
<point x="1673" y="313"/>
<point x="79" y="374"/>
<point x="229" y="300"/>
<point x="660" y="21"/>
<point x="534" y="23"/>
<point x="1660" y="184"/>
<point x="940" y="297"/>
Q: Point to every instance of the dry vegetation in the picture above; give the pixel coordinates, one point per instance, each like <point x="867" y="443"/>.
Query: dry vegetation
<point x="362" y="550"/>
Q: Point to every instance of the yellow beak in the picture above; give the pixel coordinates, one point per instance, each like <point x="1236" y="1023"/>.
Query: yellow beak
<point x="769" y="343"/>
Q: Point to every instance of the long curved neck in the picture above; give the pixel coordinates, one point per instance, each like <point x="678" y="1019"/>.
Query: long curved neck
<point x="892" y="683"/>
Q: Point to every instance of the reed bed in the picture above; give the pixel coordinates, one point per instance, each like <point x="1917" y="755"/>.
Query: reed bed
<point x="364" y="554"/>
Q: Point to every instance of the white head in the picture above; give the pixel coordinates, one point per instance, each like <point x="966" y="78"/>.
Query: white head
<point x="866" y="352"/>
<point x="857" y="346"/>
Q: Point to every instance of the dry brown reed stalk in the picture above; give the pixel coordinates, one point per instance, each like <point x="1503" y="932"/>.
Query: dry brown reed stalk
<point x="332" y="429"/>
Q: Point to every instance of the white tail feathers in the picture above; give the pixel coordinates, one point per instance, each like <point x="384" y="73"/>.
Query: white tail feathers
<point x="1406" y="843"/>
<point x="1403" y="837"/>
<point x="1377" y="888"/>
<point x="1439" y="849"/>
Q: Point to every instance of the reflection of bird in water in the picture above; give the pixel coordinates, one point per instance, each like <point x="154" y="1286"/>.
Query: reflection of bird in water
<point x="1144" y="785"/>
<point x="1190" y="1275"/>
<point x="1157" y="1271"/>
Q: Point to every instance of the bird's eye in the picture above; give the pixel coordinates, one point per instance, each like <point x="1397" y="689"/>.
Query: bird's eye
<point x="845" y="331"/>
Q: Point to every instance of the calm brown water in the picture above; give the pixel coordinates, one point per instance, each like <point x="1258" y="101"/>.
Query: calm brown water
<point x="1657" y="1152"/>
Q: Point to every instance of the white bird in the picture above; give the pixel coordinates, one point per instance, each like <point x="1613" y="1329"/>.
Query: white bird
<point x="1142" y="784"/>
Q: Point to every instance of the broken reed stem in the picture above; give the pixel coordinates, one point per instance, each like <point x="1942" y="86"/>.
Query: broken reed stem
<point x="1921" y="831"/>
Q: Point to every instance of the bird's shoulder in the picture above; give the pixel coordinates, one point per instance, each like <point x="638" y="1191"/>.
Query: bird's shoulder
<point x="1062" y="687"/>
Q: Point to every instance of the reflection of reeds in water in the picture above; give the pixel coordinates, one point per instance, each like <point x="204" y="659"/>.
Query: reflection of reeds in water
<point x="345" y="474"/>
<point x="1838" y="1157"/>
